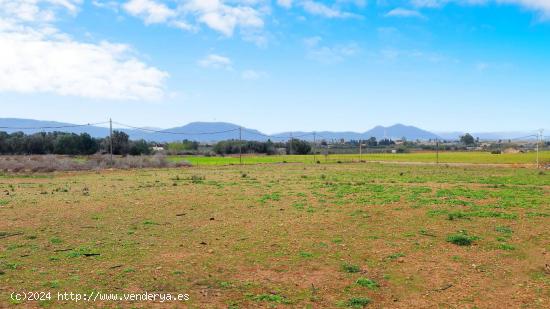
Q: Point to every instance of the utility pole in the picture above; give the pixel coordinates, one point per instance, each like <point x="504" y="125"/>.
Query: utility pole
<point x="111" y="139"/>
<point x="241" y="145"/>
<point x="314" y="144"/>
<point x="437" y="151"/>
<point x="539" y="140"/>
<point x="290" y="144"/>
<point x="360" y="151"/>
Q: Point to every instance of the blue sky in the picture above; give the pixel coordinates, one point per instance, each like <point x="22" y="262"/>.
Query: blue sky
<point x="443" y="65"/>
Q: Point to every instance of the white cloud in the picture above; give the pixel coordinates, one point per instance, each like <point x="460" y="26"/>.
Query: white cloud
<point x="109" y="4"/>
<point x="218" y="15"/>
<point x="391" y="54"/>
<point x="37" y="57"/>
<point x="215" y="61"/>
<point x="312" y="42"/>
<point x="287" y="4"/>
<point x="323" y="10"/>
<point x="223" y="18"/>
<point x="252" y="75"/>
<point x="150" y="11"/>
<point x="36" y="10"/>
<point x="400" y="12"/>
<point x="329" y="54"/>
<point x="541" y="6"/>
<point x="429" y="3"/>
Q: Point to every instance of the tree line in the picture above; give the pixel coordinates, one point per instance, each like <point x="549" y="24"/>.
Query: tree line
<point x="294" y="146"/>
<point x="19" y="143"/>
<point x="63" y="143"/>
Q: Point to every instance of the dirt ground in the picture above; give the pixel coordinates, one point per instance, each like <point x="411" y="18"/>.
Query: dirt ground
<point x="281" y="236"/>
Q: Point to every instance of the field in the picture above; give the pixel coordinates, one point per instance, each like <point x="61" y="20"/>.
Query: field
<point x="421" y="157"/>
<point x="347" y="235"/>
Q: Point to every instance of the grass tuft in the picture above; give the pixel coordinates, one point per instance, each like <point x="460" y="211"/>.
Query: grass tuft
<point x="368" y="283"/>
<point x="350" y="268"/>
<point x="358" y="302"/>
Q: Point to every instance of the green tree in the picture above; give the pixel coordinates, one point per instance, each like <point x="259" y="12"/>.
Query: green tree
<point x="300" y="147"/>
<point x="139" y="148"/>
<point x="88" y="145"/>
<point x="371" y="142"/>
<point x="467" y="139"/>
<point x="67" y="144"/>
<point x="121" y="143"/>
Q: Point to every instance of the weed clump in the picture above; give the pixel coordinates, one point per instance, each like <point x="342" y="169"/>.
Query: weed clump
<point x="358" y="302"/>
<point x="368" y="283"/>
<point x="197" y="179"/>
<point x="306" y="254"/>
<point x="56" y="240"/>
<point x="395" y="256"/>
<point x="350" y="268"/>
<point x="456" y="215"/>
<point x="504" y="230"/>
<point x="270" y="298"/>
<point x="461" y="239"/>
<point x="506" y="247"/>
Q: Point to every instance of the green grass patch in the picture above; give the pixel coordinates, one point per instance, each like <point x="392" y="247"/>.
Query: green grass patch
<point x="350" y="268"/>
<point x="368" y="283"/>
<point x="461" y="239"/>
<point x="358" y="302"/>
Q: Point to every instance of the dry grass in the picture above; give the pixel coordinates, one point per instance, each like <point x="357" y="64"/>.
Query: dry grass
<point x="287" y="235"/>
<point x="51" y="163"/>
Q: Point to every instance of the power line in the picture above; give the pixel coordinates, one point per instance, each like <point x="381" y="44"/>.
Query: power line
<point x="56" y="127"/>
<point x="176" y="133"/>
<point x="261" y="134"/>
<point x="522" y="137"/>
<point x="277" y="136"/>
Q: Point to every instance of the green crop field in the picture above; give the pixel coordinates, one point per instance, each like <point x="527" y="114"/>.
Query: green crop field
<point x="423" y="157"/>
<point x="281" y="235"/>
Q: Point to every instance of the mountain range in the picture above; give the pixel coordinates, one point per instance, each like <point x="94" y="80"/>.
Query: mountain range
<point x="216" y="131"/>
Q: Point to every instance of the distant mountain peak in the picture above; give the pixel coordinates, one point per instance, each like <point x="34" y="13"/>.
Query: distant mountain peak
<point x="224" y="131"/>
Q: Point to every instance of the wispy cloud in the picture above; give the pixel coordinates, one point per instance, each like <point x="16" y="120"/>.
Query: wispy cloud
<point x="541" y="6"/>
<point x="329" y="54"/>
<point x="393" y="54"/>
<point x="401" y="12"/>
<point x="287" y="4"/>
<point x="221" y="16"/>
<point x="150" y="11"/>
<point x="253" y="75"/>
<point x="320" y="9"/>
<point x="215" y="61"/>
